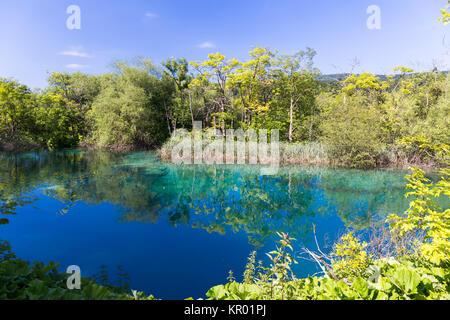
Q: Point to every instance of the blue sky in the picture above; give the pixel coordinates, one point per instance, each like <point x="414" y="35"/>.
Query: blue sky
<point x="35" y="39"/>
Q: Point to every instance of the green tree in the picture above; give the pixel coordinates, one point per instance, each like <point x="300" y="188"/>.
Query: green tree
<point x="352" y="131"/>
<point x="216" y="71"/>
<point x="296" y="81"/>
<point x="129" y="111"/>
<point x="58" y="124"/>
<point x="251" y="82"/>
<point x="177" y="70"/>
<point x="16" y="111"/>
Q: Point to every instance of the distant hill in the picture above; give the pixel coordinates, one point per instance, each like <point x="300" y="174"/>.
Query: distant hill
<point x="342" y="76"/>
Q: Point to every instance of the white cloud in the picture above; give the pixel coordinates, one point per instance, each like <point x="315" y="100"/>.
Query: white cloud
<point x="76" y="52"/>
<point x="151" y="15"/>
<point x="76" y="66"/>
<point x="206" y="45"/>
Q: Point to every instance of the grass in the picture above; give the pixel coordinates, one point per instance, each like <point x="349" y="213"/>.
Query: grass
<point x="290" y="153"/>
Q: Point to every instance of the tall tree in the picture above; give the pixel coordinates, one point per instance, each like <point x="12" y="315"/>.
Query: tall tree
<point x="177" y="70"/>
<point x="217" y="71"/>
<point x="295" y="72"/>
<point x="130" y="108"/>
<point x="252" y="80"/>
<point x="15" y="108"/>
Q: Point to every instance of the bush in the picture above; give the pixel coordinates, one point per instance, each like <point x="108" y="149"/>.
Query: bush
<point x="21" y="280"/>
<point x="350" y="259"/>
<point x="352" y="132"/>
<point x="424" y="215"/>
<point x="402" y="278"/>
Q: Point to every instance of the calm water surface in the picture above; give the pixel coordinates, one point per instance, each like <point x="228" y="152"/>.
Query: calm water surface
<point x="177" y="230"/>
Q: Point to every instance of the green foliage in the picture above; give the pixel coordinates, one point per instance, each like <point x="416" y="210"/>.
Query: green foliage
<point x="58" y="122"/>
<point x="38" y="281"/>
<point x="424" y="215"/>
<point x="16" y="119"/>
<point x="231" y="277"/>
<point x="46" y="119"/>
<point x="272" y="282"/>
<point x="249" y="273"/>
<point x="364" y="121"/>
<point x="355" y="275"/>
<point x="129" y="110"/>
<point x="404" y="278"/>
<point x="360" y="119"/>
<point x="234" y="291"/>
<point x="352" y="132"/>
<point x="420" y="148"/>
<point x="181" y="111"/>
<point x="445" y="18"/>
<point x="281" y="260"/>
<point x="350" y="260"/>
<point x="364" y="85"/>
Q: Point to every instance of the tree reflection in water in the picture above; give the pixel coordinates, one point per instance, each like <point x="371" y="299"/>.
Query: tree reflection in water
<point x="219" y="198"/>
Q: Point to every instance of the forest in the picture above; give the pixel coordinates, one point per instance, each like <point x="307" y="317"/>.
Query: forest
<point x="360" y="120"/>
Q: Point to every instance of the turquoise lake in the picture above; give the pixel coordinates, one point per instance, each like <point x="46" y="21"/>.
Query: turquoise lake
<point x="175" y="230"/>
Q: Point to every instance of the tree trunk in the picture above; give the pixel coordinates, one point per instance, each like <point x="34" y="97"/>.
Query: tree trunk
<point x="291" y="119"/>
<point x="223" y="120"/>
<point x="167" y="118"/>
<point x="190" y="108"/>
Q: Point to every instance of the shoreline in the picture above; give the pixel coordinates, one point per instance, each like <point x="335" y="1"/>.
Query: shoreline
<point x="164" y="156"/>
<point x="428" y="167"/>
<point x="425" y="167"/>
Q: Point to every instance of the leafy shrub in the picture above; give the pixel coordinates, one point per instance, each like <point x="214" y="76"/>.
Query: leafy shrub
<point x="21" y="280"/>
<point x="404" y="278"/>
<point x="235" y="291"/>
<point x="350" y="259"/>
<point x="352" y="132"/>
<point x="424" y="215"/>
<point x="419" y="149"/>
